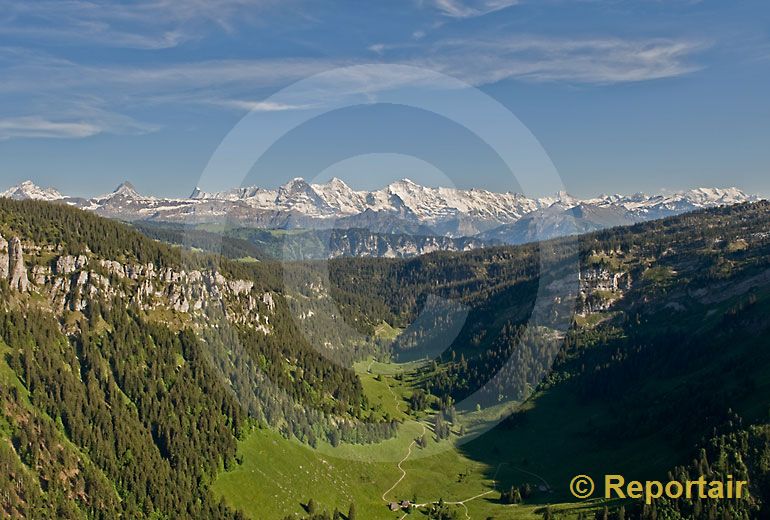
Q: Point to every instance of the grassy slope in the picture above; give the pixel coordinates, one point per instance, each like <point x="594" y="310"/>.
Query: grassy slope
<point x="278" y="476"/>
<point x="296" y="473"/>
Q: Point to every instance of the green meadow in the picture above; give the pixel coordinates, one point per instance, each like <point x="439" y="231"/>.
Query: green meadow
<point x="278" y="477"/>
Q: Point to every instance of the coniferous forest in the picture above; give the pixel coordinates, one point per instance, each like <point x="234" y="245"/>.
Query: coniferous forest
<point x="132" y="369"/>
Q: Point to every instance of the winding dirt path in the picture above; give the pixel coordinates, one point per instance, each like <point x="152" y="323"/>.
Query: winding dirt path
<point x="402" y="470"/>
<point x="409" y="454"/>
<point x="395" y="398"/>
<point x="459" y="503"/>
<point x="403" y="476"/>
<point x="463" y="502"/>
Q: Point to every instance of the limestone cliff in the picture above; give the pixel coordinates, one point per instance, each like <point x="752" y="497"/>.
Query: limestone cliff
<point x="12" y="266"/>
<point x="70" y="283"/>
<point x="4" y="259"/>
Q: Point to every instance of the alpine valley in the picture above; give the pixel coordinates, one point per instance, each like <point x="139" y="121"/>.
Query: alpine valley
<point x="397" y="260"/>
<point x="140" y="379"/>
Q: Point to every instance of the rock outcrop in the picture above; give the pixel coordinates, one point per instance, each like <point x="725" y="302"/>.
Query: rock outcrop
<point x="70" y="264"/>
<point x="17" y="271"/>
<point x="70" y="283"/>
<point x="4" y="259"/>
<point x="600" y="288"/>
<point x="267" y="299"/>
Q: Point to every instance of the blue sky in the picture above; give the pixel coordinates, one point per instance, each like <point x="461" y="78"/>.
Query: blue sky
<point x="623" y="95"/>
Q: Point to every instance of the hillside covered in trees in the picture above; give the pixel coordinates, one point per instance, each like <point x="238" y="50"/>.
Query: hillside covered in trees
<point x="122" y="353"/>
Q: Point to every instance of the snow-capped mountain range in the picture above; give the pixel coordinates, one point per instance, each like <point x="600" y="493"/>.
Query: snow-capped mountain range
<point x="336" y="199"/>
<point x="401" y="207"/>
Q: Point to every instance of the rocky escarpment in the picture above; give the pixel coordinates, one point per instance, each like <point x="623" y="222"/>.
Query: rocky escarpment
<point x="71" y="283"/>
<point x="603" y="281"/>
<point x="600" y="288"/>
<point x="12" y="266"/>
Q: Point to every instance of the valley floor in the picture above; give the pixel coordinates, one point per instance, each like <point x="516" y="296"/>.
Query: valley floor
<point x="278" y="477"/>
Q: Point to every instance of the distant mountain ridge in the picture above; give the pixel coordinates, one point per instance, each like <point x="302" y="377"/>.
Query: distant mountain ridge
<point x="401" y="207"/>
<point x="562" y="220"/>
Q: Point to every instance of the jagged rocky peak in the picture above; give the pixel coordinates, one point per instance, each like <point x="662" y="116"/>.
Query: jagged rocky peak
<point x="563" y="197"/>
<point x="297" y="184"/>
<point x="301" y="196"/>
<point x="126" y="189"/>
<point x="336" y="182"/>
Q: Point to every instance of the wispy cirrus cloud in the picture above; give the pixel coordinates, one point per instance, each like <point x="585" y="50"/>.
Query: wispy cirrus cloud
<point x="40" y="127"/>
<point x="585" y="61"/>
<point x="24" y="70"/>
<point x="588" y="61"/>
<point x="470" y="8"/>
<point x="142" y="24"/>
<point x="80" y="100"/>
<point x="262" y="106"/>
<point x="72" y="121"/>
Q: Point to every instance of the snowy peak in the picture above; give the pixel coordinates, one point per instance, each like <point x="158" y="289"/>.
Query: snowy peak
<point x="341" y="197"/>
<point x="337" y="184"/>
<point x="297" y="195"/>
<point x="295" y="188"/>
<point x="406" y="184"/>
<point x="566" y="199"/>
<point x="402" y="205"/>
<point x="125" y="190"/>
<point x="297" y="184"/>
<point x="28" y="190"/>
<point x="717" y="196"/>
